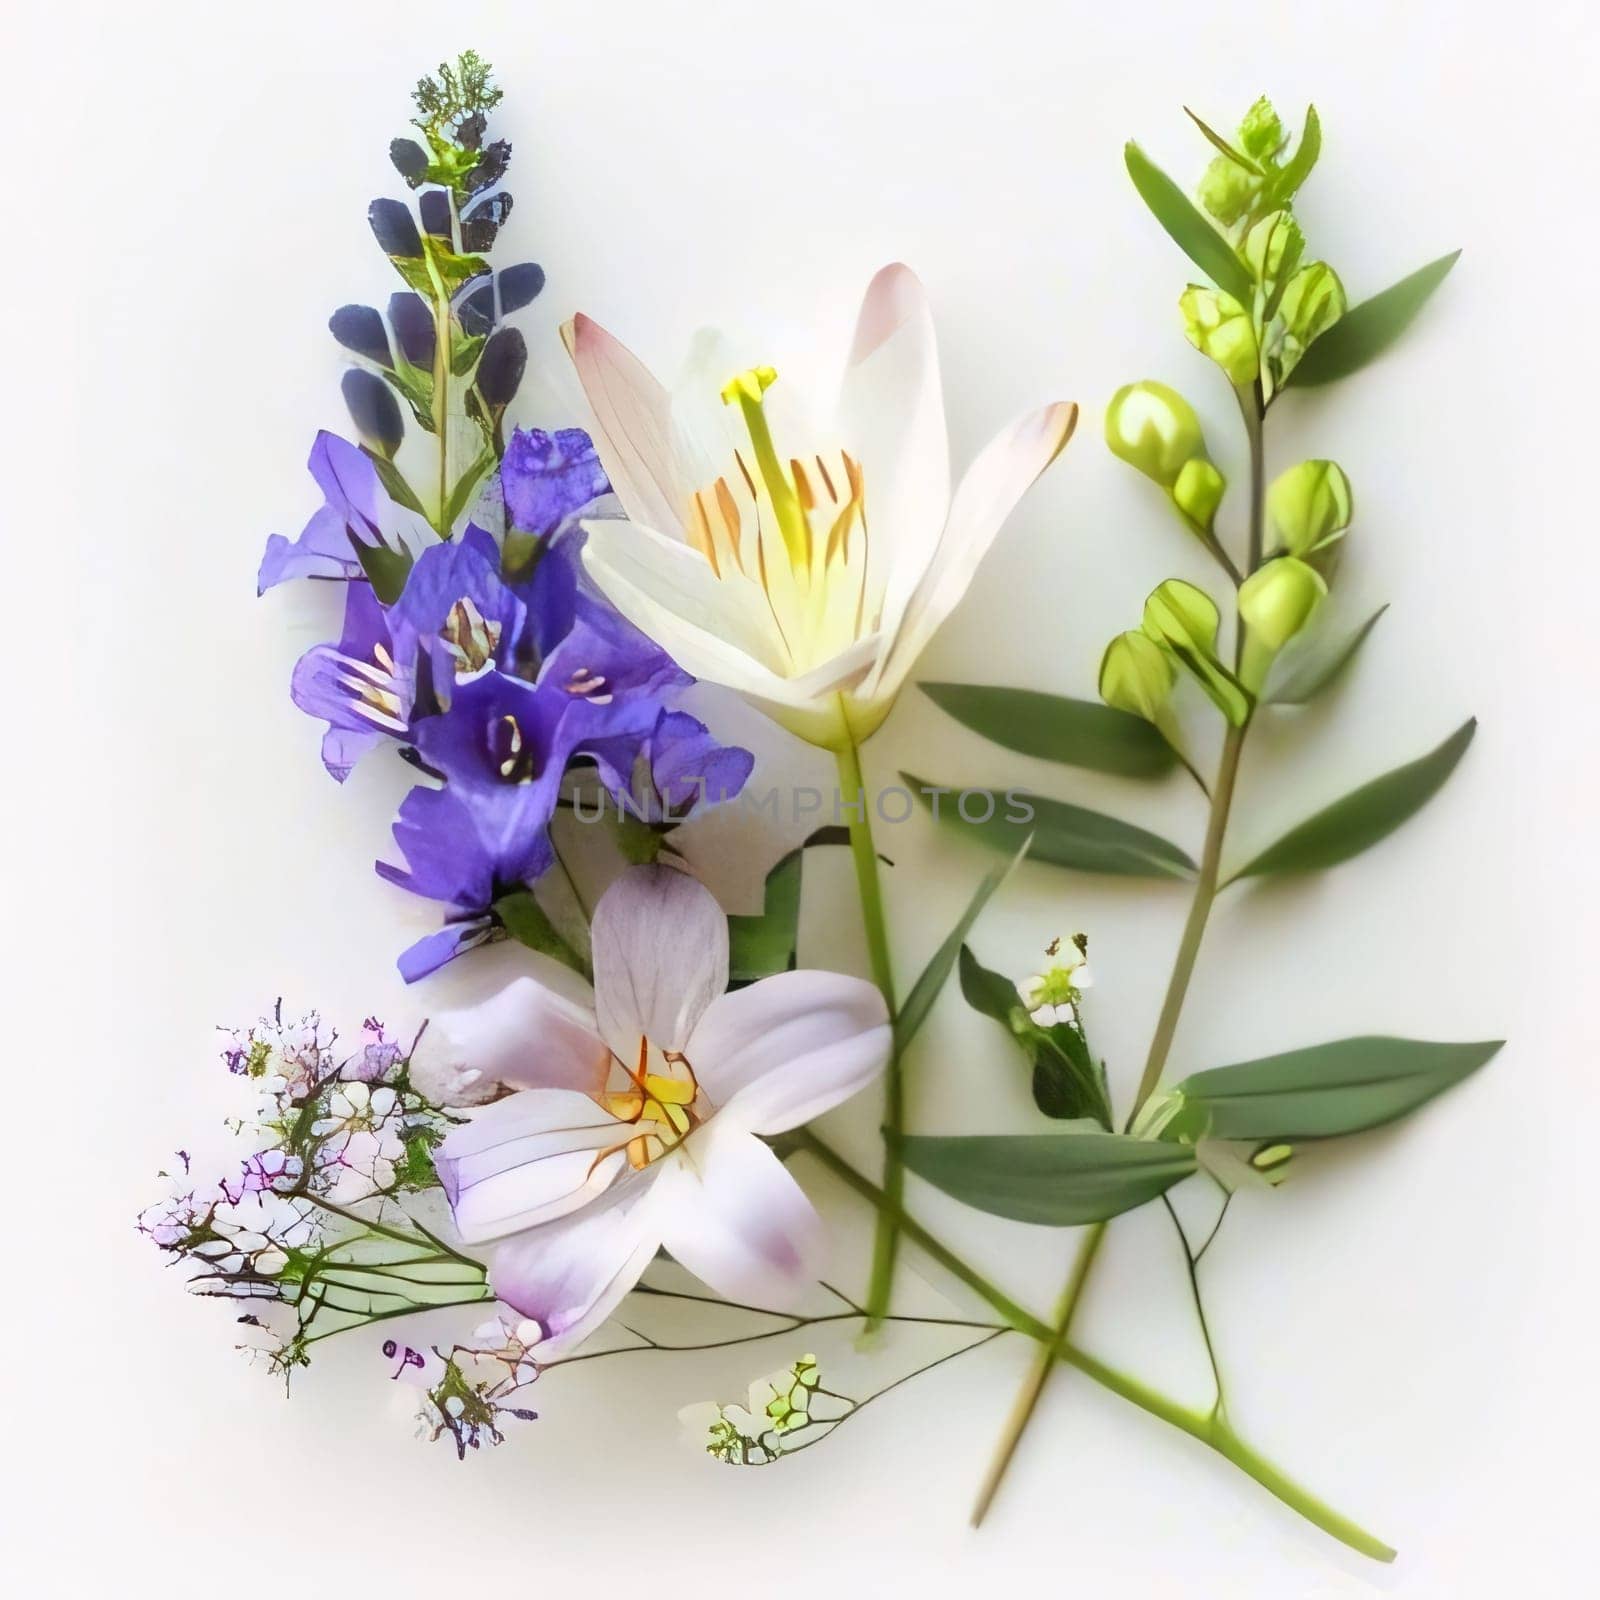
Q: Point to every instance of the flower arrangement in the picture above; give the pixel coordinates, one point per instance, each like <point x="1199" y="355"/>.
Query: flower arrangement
<point x="524" y="611"/>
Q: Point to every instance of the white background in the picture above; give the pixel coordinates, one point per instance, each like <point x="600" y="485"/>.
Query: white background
<point x="1409" y="1325"/>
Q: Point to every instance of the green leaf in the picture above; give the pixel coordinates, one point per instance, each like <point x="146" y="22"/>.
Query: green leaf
<point x="1063" y="835"/>
<point x="1304" y="672"/>
<point x="528" y="923"/>
<point x="1238" y="157"/>
<point x="915" y="1007"/>
<point x="1286" y="182"/>
<point x="466" y="487"/>
<point x="394" y="483"/>
<point x="763" y="944"/>
<point x="1330" y="1089"/>
<point x="1058" y="1179"/>
<point x="1066" y="1083"/>
<point x="1365" y="331"/>
<point x="1187" y="226"/>
<point x="1365" y="815"/>
<point x="386" y="569"/>
<point x="1080" y="733"/>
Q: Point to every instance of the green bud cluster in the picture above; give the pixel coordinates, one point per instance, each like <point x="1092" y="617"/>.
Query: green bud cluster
<point x="1154" y="429"/>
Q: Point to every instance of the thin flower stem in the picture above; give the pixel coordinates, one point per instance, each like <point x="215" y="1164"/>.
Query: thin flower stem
<point x="1205" y="894"/>
<point x="1209" y="1428"/>
<point x="1192" y="1264"/>
<point x="1022" y="1408"/>
<point x="853" y="795"/>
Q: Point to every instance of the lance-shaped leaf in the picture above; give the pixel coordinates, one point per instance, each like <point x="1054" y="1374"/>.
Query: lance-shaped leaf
<point x="1079" y="733"/>
<point x="526" y="921"/>
<point x="1061" y="1180"/>
<point x="1063" y="835"/>
<point x="1187" y="225"/>
<point x="1311" y="664"/>
<point x="1329" y="1089"/>
<point x="1066" y="1082"/>
<point x="1365" y="815"/>
<point x="1367" y="330"/>
<point x="915" y="1007"/>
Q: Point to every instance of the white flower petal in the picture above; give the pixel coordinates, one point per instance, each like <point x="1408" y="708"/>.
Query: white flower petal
<point x="776" y="1054"/>
<point x="633" y="423"/>
<point x="985" y="497"/>
<point x="528" y="1159"/>
<point x="660" y="943"/>
<point x="569" y="1276"/>
<point x="891" y="418"/>
<point x="527" y="1036"/>
<point x="731" y="1214"/>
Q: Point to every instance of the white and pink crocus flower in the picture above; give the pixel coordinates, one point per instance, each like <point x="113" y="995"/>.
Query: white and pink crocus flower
<point x="637" y="1116"/>
<point x="805" y="566"/>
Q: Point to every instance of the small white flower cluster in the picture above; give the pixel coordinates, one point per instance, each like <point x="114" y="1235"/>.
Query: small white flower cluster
<point x="779" y="1407"/>
<point x="361" y="1138"/>
<point x="241" y="1240"/>
<point x="1051" y="995"/>
<point x="470" y="1391"/>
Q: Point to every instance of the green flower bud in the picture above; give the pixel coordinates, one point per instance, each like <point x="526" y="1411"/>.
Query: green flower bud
<point x="1227" y="190"/>
<point x="1153" y="428"/>
<point x="1309" y="506"/>
<point x="1275" y="602"/>
<point x="1312" y="303"/>
<point x="1272" y="1162"/>
<point x="1198" y="492"/>
<point x="1261" y="133"/>
<point x="1184" y="620"/>
<point x="1219" y="327"/>
<point x="1273" y="247"/>
<point x="1137" y="675"/>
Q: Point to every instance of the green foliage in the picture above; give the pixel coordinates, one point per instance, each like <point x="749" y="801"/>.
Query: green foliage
<point x="1328" y="1089"/>
<point x="1186" y="226"/>
<point x="1367" y="330"/>
<point x="1066" y="1082"/>
<point x="1057" y="1179"/>
<point x="1365" y="815"/>
<point x="1075" y="732"/>
<point x="526" y="921"/>
<point x="1315" y="662"/>
<point x="1063" y="835"/>
<point x="914" y="1009"/>
<point x="386" y="569"/>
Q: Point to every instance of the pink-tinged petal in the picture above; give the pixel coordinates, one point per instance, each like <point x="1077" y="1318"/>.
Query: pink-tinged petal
<point x="985" y="497"/>
<point x="633" y="423"/>
<point x="776" y="1054"/>
<point x="728" y="1211"/>
<point x="660" y="944"/>
<point x="528" y="1159"/>
<point x="526" y="1036"/>
<point x="570" y="1275"/>
<point x="891" y="419"/>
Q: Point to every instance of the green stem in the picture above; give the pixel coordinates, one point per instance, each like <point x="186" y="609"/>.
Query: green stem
<point x="1194" y="928"/>
<point x="1209" y="1428"/>
<point x="1022" y="1408"/>
<point x="853" y="795"/>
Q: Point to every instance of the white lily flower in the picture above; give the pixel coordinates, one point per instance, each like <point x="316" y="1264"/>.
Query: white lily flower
<point x="807" y="573"/>
<point x="636" y="1124"/>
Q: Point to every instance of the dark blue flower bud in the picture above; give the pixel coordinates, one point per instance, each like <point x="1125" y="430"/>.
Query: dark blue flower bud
<point x="434" y="204"/>
<point x="475" y="305"/>
<point x="394" y="228"/>
<point x="483" y="221"/>
<point x="519" y="285"/>
<point x="361" y="329"/>
<point x="373" y="409"/>
<point x="412" y="322"/>
<point x="500" y="367"/>
<point x="410" y="160"/>
<point x="491" y="167"/>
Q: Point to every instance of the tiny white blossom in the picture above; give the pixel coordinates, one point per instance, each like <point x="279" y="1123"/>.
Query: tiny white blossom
<point x="1051" y="996"/>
